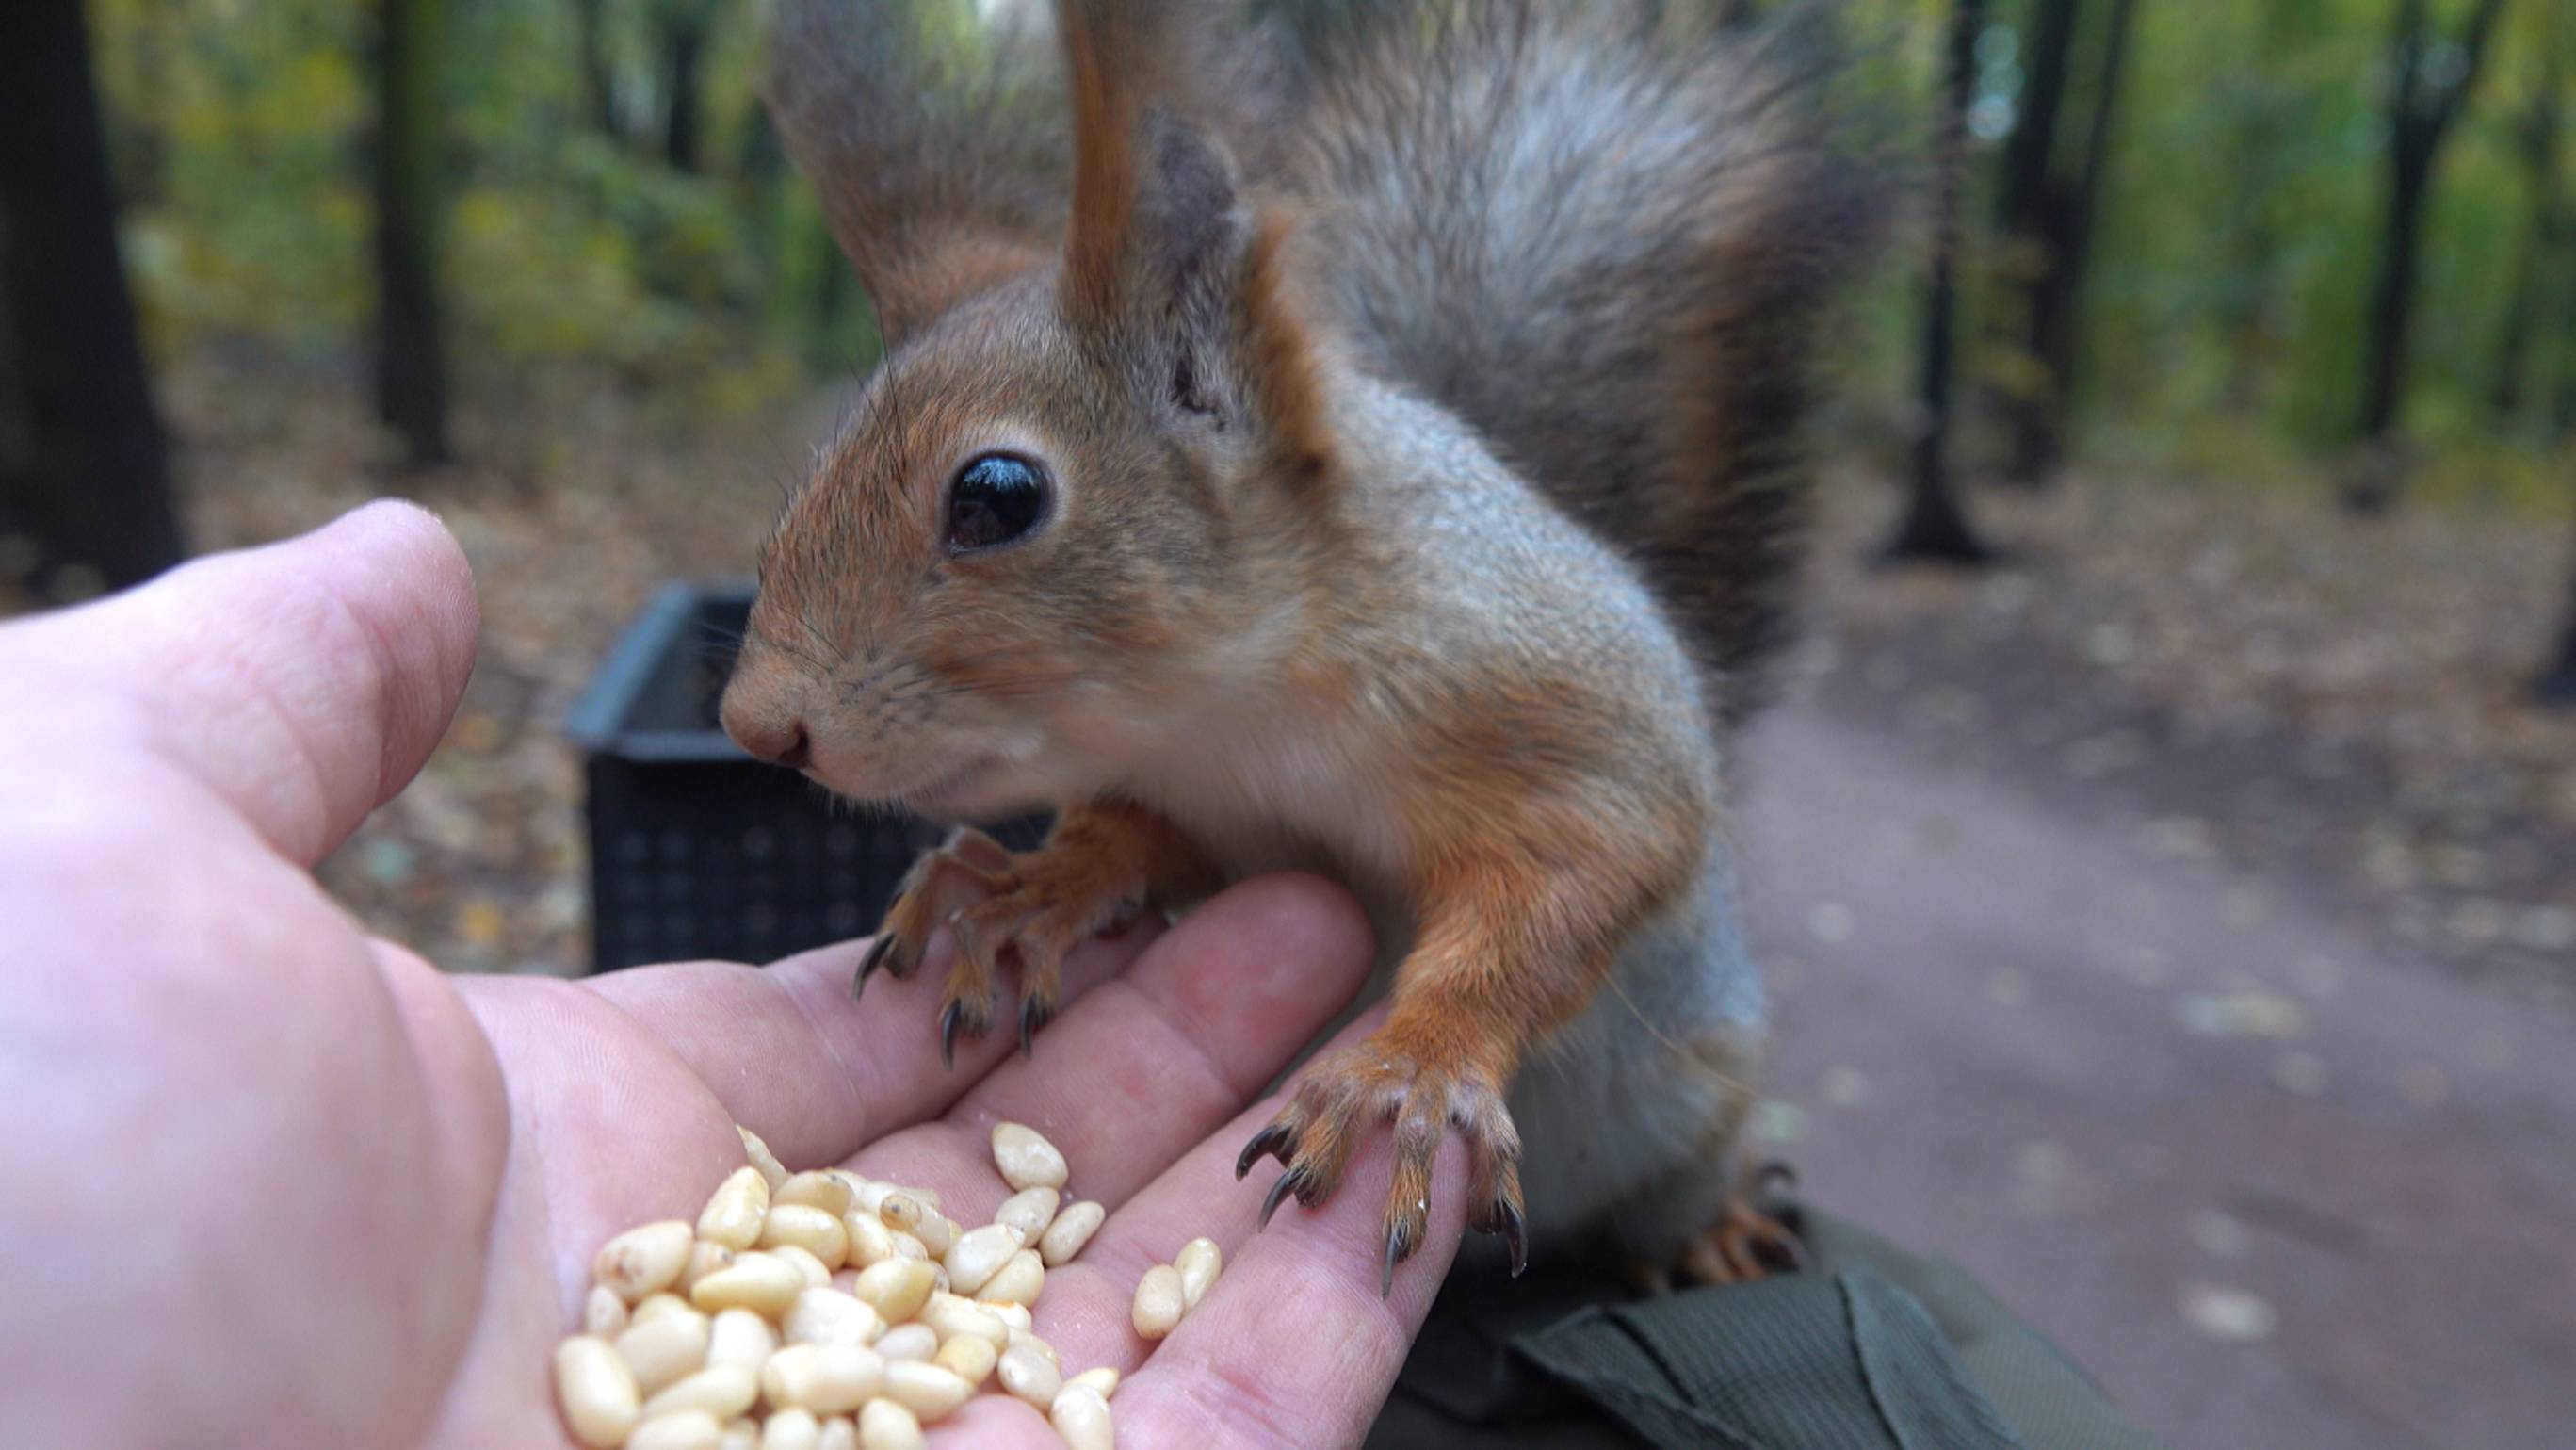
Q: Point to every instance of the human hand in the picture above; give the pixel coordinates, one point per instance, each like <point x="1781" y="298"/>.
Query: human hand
<point x="273" y="1181"/>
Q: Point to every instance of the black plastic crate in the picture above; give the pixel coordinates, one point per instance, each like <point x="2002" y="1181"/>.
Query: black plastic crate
<point x="696" y="849"/>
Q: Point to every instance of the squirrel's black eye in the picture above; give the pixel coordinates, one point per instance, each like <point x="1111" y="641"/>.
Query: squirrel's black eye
<point x="996" y="499"/>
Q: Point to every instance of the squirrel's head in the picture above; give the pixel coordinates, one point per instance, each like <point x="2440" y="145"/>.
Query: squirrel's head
<point x="1056" y="510"/>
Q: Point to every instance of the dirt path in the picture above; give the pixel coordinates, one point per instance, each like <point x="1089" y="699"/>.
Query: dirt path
<point x="2270" y="1183"/>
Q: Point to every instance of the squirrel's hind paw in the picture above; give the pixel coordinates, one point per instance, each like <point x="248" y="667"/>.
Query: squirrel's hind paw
<point x="1750" y="1240"/>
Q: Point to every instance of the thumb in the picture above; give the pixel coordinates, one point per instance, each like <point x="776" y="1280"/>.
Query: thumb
<point x="302" y="684"/>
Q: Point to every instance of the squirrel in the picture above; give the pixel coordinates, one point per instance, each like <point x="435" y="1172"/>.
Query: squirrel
<point x="1365" y="438"/>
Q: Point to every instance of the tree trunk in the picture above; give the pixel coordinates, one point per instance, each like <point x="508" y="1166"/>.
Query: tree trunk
<point x="411" y="338"/>
<point x="2537" y="145"/>
<point x="685" y="40"/>
<point x="411" y="365"/>
<point x="2034" y="138"/>
<point x="2557" y="683"/>
<point x="2064" y="220"/>
<point x="1935" y="528"/>
<point x="84" y="469"/>
<point x="599" y="78"/>
<point x="2565" y="419"/>
<point x="2392" y="314"/>
<point x="2420" y="114"/>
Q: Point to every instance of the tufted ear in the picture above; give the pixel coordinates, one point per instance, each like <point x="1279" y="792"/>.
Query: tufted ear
<point x="940" y="168"/>
<point x="1159" y="246"/>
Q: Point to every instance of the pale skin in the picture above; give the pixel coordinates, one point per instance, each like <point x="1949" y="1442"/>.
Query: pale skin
<point x="270" y="1180"/>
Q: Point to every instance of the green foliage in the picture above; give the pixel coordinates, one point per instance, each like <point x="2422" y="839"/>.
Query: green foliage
<point x="2241" y="222"/>
<point x="243" y="126"/>
<point x="2239" y="225"/>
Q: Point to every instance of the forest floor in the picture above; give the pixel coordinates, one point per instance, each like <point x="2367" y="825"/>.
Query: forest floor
<point x="2212" y="826"/>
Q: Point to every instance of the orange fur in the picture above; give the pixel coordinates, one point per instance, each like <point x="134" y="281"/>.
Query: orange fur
<point x="1444" y="577"/>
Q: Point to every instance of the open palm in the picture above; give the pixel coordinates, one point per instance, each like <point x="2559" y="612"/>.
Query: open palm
<point x="274" y="1182"/>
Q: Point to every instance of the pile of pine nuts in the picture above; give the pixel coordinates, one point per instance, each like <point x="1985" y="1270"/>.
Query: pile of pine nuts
<point x="825" y="1311"/>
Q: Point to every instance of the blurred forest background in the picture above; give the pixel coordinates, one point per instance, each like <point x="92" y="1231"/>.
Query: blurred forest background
<point x="2202" y="468"/>
<point x="2233" y="355"/>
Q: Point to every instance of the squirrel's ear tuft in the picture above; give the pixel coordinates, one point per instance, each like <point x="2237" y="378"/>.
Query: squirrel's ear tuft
<point x="1167" y="260"/>
<point x="1155" y="245"/>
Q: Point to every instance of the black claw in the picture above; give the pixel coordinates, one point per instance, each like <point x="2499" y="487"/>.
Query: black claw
<point x="1399" y="1247"/>
<point x="1279" y="1191"/>
<point x="1268" y="1141"/>
<point x="948" y="1019"/>
<point x="1035" y="1014"/>
<point x="868" y="964"/>
<point x="1507" y="1222"/>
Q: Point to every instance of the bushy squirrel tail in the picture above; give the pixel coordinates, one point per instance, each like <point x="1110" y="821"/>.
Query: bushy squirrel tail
<point x="1606" y="241"/>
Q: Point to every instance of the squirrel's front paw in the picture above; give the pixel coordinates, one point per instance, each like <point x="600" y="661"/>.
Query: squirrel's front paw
<point x="1036" y="905"/>
<point x="1423" y="1089"/>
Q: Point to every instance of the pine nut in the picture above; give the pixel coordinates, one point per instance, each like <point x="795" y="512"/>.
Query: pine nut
<point x="764" y="1282"/>
<point x="829" y="1379"/>
<point x="842" y="1433"/>
<point x="906" y="1246"/>
<point x="828" y="1316"/>
<point x="596" y="1391"/>
<point x="1030" y="1211"/>
<point x="949" y="1317"/>
<point x="1199" y="1261"/>
<point x="821" y="1189"/>
<point x="1158" y="1302"/>
<point x="900" y="1211"/>
<point x="603" y="1313"/>
<point x="1024" y="1339"/>
<point x="734" y="1212"/>
<point x="641" y="1260"/>
<point x="1071" y="1230"/>
<point x="908" y="1341"/>
<point x="664" y="1348"/>
<point x="688" y="1430"/>
<point x="927" y="1390"/>
<point x="723" y="1391"/>
<point x="969" y="1358"/>
<point x="977" y="1253"/>
<point x="807" y="1266"/>
<point x="873" y="1195"/>
<point x="655" y="1306"/>
<point x="1030" y="1376"/>
<point x="937" y="1232"/>
<point x="897" y="1288"/>
<point x="704" y="1259"/>
<point x="886" y="1425"/>
<point x="791" y="1429"/>
<point x="870" y="1242"/>
<point x="742" y="1434"/>
<point x="809" y="1228"/>
<point x="772" y="1172"/>
<point x="742" y="1339"/>
<point x="1082" y="1418"/>
<point x="1102" y="1381"/>
<point x="1016" y="1316"/>
<point x="1019" y="1281"/>
<point x="1026" y="1158"/>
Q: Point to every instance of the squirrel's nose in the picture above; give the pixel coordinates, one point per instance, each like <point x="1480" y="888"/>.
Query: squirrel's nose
<point x="782" y="743"/>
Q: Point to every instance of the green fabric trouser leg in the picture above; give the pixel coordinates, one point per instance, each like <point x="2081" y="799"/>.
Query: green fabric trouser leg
<point x="1872" y="1347"/>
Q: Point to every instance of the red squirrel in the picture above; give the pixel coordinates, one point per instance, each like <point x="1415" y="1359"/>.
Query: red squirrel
<point x="1366" y="441"/>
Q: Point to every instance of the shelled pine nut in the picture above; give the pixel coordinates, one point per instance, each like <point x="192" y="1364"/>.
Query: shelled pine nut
<point x="822" y="1310"/>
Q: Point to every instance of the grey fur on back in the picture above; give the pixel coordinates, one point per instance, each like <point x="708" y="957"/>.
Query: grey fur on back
<point x="1603" y="239"/>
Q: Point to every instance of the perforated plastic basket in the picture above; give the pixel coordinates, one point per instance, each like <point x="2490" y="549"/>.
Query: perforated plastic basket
<point x="696" y="849"/>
